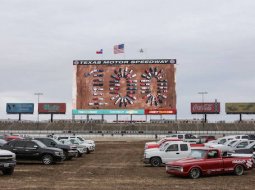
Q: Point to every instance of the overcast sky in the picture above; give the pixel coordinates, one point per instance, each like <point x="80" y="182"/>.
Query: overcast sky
<point x="213" y="42"/>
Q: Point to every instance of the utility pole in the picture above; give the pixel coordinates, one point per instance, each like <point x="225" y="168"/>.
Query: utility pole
<point x="203" y="103"/>
<point x="38" y="94"/>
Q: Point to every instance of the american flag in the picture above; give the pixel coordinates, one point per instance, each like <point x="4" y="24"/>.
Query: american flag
<point x="118" y="49"/>
<point x="100" y="51"/>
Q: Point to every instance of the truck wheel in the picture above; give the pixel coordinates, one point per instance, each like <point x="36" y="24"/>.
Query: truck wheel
<point x="80" y="154"/>
<point x="8" y="171"/>
<point x="194" y="173"/>
<point x="239" y="170"/>
<point x="66" y="157"/>
<point x="47" y="159"/>
<point x="88" y="151"/>
<point x="155" y="162"/>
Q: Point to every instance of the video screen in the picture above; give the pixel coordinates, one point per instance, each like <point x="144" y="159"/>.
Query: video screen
<point x="124" y="84"/>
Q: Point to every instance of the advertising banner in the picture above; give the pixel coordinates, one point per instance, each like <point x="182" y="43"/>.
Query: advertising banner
<point x="240" y="108"/>
<point x="108" y="112"/>
<point x="160" y="111"/>
<point x="205" y="108"/>
<point x="52" y="108"/>
<point x="19" y="108"/>
<point x="147" y="84"/>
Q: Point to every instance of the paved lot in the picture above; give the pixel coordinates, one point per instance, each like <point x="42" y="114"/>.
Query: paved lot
<point x="114" y="165"/>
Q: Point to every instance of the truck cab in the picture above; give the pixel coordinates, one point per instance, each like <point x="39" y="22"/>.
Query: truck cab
<point x="209" y="161"/>
<point x="169" y="151"/>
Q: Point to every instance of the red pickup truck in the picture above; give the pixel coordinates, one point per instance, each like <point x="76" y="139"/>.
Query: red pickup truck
<point x="207" y="161"/>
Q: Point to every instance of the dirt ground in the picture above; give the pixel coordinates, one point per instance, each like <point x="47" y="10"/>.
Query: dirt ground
<point x="114" y="165"/>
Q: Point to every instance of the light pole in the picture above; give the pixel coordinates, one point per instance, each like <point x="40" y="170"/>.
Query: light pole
<point x="203" y="104"/>
<point x="38" y="94"/>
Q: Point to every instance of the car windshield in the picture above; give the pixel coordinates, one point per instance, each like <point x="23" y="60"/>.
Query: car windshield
<point x="40" y="144"/>
<point x="197" y="154"/>
<point x="63" y="141"/>
<point x="231" y="143"/>
<point x="75" y="141"/>
<point x="56" y="141"/>
<point x="251" y="145"/>
<point x="160" y="141"/>
<point x="80" y="138"/>
<point x="163" y="146"/>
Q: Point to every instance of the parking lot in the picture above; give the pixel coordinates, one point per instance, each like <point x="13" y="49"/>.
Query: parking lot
<point x="114" y="165"/>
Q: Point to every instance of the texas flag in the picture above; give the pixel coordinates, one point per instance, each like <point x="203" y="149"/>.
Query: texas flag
<point x="100" y="51"/>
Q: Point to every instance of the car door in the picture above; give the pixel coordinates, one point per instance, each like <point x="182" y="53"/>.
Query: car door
<point x="171" y="153"/>
<point x="213" y="163"/>
<point x="241" y="145"/>
<point x="19" y="149"/>
<point x="32" y="151"/>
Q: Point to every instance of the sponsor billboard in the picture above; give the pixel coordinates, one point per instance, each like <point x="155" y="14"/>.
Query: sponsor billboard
<point x="19" y="108"/>
<point x="205" y="108"/>
<point x="108" y="112"/>
<point x="52" y="108"/>
<point x="240" y="108"/>
<point x="147" y="84"/>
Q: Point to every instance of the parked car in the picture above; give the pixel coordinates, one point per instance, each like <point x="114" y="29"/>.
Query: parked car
<point x="208" y="161"/>
<point x="206" y="138"/>
<point x="70" y="151"/>
<point x="34" y="150"/>
<point x="2" y="142"/>
<point x="12" y="137"/>
<point x="221" y="140"/>
<point x="249" y="149"/>
<point x="185" y="137"/>
<point x="80" y="138"/>
<point x="251" y="136"/>
<point x="82" y="149"/>
<point x="241" y="144"/>
<point x="90" y="144"/>
<point x="7" y="162"/>
<point x="169" y="151"/>
<point x="157" y="144"/>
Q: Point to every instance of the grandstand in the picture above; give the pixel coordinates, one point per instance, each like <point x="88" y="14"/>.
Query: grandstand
<point x="99" y="125"/>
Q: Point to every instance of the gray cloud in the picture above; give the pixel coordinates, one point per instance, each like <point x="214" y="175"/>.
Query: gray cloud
<point x="212" y="41"/>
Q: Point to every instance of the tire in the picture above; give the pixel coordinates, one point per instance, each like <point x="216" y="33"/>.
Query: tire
<point x="8" y="171"/>
<point x="47" y="159"/>
<point x="239" y="170"/>
<point x="66" y="157"/>
<point x="155" y="162"/>
<point x="80" y="154"/>
<point x="88" y="152"/>
<point x="194" y="173"/>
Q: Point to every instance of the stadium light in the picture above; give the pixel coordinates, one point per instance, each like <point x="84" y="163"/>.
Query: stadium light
<point x="204" y="116"/>
<point x="38" y="94"/>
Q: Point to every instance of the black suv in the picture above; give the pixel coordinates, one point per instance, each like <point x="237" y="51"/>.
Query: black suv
<point x="69" y="151"/>
<point x="34" y="150"/>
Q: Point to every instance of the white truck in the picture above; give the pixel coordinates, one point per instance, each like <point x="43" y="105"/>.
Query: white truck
<point x="7" y="162"/>
<point x="169" y="151"/>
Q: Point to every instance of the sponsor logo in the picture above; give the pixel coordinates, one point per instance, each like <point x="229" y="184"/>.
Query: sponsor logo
<point x="113" y="62"/>
<point x="249" y="164"/>
<point x="238" y="161"/>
